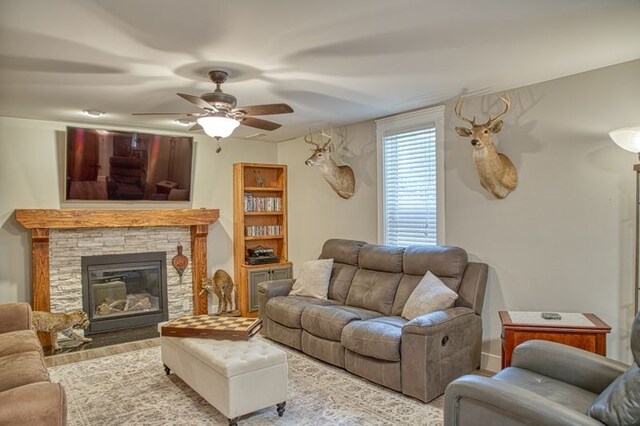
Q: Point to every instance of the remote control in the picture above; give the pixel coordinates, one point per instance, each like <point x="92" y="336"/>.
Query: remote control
<point x="551" y="316"/>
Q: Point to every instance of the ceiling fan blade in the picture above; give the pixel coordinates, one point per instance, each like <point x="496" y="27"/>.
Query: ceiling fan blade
<point x="199" y="102"/>
<point x="266" y="109"/>
<point x="195" y="128"/>
<point x="161" y="113"/>
<point x="259" y="123"/>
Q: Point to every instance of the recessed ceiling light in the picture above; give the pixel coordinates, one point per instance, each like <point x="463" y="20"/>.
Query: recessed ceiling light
<point x="93" y="113"/>
<point x="185" y="121"/>
<point x="255" y="135"/>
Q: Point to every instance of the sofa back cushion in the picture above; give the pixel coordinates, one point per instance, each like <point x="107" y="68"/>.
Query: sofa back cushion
<point x="375" y="284"/>
<point x="446" y="262"/>
<point x="345" y="264"/>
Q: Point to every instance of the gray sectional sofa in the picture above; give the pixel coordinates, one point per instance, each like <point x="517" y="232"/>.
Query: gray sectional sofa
<point x="359" y="326"/>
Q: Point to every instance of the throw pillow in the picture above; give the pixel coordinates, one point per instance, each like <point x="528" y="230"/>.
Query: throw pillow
<point x="430" y="295"/>
<point x="619" y="403"/>
<point x="313" y="280"/>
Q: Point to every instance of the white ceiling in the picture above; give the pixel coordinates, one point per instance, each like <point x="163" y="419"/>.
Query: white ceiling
<point x="333" y="61"/>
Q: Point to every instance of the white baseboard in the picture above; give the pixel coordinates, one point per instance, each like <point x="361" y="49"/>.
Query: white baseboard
<point x="490" y="362"/>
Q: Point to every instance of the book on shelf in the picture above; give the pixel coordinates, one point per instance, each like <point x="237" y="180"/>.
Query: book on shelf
<point x="262" y="204"/>
<point x="262" y="230"/>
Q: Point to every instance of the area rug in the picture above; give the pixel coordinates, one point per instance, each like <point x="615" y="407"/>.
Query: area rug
<point x="132" y="389"/>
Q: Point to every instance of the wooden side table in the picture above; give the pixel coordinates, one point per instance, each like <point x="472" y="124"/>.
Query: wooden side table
<point x="583" y="331"/>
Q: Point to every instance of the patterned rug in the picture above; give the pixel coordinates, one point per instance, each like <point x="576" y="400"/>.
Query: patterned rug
<point x="132" y="389"/>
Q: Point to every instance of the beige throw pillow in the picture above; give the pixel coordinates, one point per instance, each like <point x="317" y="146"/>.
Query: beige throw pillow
<point x="313" y="280"/>
<point x="430" y="295"/>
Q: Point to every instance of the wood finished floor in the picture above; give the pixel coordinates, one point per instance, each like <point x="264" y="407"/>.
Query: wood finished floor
<point x="68" y="358"/>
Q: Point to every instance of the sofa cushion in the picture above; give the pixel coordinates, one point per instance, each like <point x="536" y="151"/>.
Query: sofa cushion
<point x="342" y="251"/>
<point x="328" y="321"/>
<point x="619" y="403"/>
<point x="563" y="393"/>
<point x="385" y="373"/>
<point x="21" y="369"/>
<point x="345" y="264"/>
<point x="313" y="280"/>
<point x="430" y="295"/>
<point x="373" y="290"/>
<point x="381" y="258"/>
<point x="446" y="262"/>
<point x="287" y="310"/>
<point x="19" y="341"/>
<point x="376" y="338"/>
<point x="442" y="261"/>
<point x="340" y="281"/>
<point x="283" y="334"/>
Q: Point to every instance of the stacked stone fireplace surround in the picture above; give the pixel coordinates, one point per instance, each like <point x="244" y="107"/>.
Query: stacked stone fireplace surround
<point x="67" y="246"/>
<point x="113" y="225"/>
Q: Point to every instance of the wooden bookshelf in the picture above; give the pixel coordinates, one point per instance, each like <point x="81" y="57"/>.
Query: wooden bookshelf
<point x="264" y="183"/>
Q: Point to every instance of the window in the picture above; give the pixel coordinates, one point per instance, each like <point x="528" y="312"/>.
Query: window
<point x="411" y="178"/>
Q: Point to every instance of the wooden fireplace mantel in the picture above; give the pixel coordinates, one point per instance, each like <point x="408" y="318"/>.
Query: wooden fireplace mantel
<point x="68" y="219"/>
<point x="40" y="221"/>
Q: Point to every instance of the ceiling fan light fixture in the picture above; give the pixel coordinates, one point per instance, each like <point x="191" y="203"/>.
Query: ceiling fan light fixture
<point x="218" y="126"/>
<point x="93" y="113"/>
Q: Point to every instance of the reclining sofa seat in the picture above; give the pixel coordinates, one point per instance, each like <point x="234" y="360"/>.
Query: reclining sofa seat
<point x="359" y="326"/>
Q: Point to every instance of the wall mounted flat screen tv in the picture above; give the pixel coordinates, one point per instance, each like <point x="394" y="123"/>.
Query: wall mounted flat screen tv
<point x="105" y="165"/>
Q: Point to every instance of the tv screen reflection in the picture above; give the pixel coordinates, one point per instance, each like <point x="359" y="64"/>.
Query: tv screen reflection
<point x="114" y="165"/>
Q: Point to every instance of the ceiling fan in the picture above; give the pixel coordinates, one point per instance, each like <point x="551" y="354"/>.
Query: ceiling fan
<point x="221" y="116"/>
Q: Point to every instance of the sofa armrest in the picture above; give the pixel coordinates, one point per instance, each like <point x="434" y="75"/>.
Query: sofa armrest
<point x="40" y="403"/>
<point x="580" y="368"/>
<point x="435" y="322"/>
<point x="438" y="347"/>
<point x="15" y="316"/>
<point x="471" y="397"/>
<point x="271" y="289"/>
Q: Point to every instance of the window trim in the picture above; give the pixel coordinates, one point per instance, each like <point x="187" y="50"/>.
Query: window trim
<point x="407" y="122"/>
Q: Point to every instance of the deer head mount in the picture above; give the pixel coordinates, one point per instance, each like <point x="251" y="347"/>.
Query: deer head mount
<point x="341" y="178"/>
<point x="496" y="171"/>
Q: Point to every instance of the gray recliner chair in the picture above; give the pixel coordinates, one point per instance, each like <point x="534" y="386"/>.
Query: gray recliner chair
<point x="550" y="384"/>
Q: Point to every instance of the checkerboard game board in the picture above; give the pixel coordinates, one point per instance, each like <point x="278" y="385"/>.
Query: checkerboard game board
<point x="212" y="327"/>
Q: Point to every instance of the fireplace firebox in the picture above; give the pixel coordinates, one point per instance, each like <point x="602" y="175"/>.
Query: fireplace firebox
<point x="122" y="291"/>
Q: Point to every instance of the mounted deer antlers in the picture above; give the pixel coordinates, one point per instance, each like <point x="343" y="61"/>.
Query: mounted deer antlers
<point x="496" y="171"/>
<point x="341" y="178"/>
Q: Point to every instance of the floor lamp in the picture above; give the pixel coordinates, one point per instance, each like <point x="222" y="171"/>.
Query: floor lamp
<point x="629" y="139"/>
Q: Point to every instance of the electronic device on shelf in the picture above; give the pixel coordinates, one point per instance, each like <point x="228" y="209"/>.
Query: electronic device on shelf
<point x="261" y="256"/>
<point x="262" y="260"/>
<point x="260" y="251"/>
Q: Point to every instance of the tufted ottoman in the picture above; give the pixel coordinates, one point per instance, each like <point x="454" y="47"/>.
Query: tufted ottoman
<point x="236" y="377"/>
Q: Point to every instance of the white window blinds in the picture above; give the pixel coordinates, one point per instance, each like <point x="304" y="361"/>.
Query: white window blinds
<point x="409" y="196"/>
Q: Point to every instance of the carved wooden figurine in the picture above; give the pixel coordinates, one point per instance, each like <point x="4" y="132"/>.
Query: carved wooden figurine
<point x="496" y="171"/>
<point x="341" y="178"/>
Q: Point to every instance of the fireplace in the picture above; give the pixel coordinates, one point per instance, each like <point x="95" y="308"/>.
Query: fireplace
<point x="124" y="290"/>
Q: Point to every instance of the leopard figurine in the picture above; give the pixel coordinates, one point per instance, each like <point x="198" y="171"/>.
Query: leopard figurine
<point x="64" y="323"/>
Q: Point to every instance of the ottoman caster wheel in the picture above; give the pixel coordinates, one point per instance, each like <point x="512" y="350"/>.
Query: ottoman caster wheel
<point x="167" y="370"/>
<point x="233" y="421"/>
<point x="281" y="408"/>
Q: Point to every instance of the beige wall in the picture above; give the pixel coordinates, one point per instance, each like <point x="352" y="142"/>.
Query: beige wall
<point x="561" y="242"/>
<point x="31" y="158"/>
<point x="316" y="212"/>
